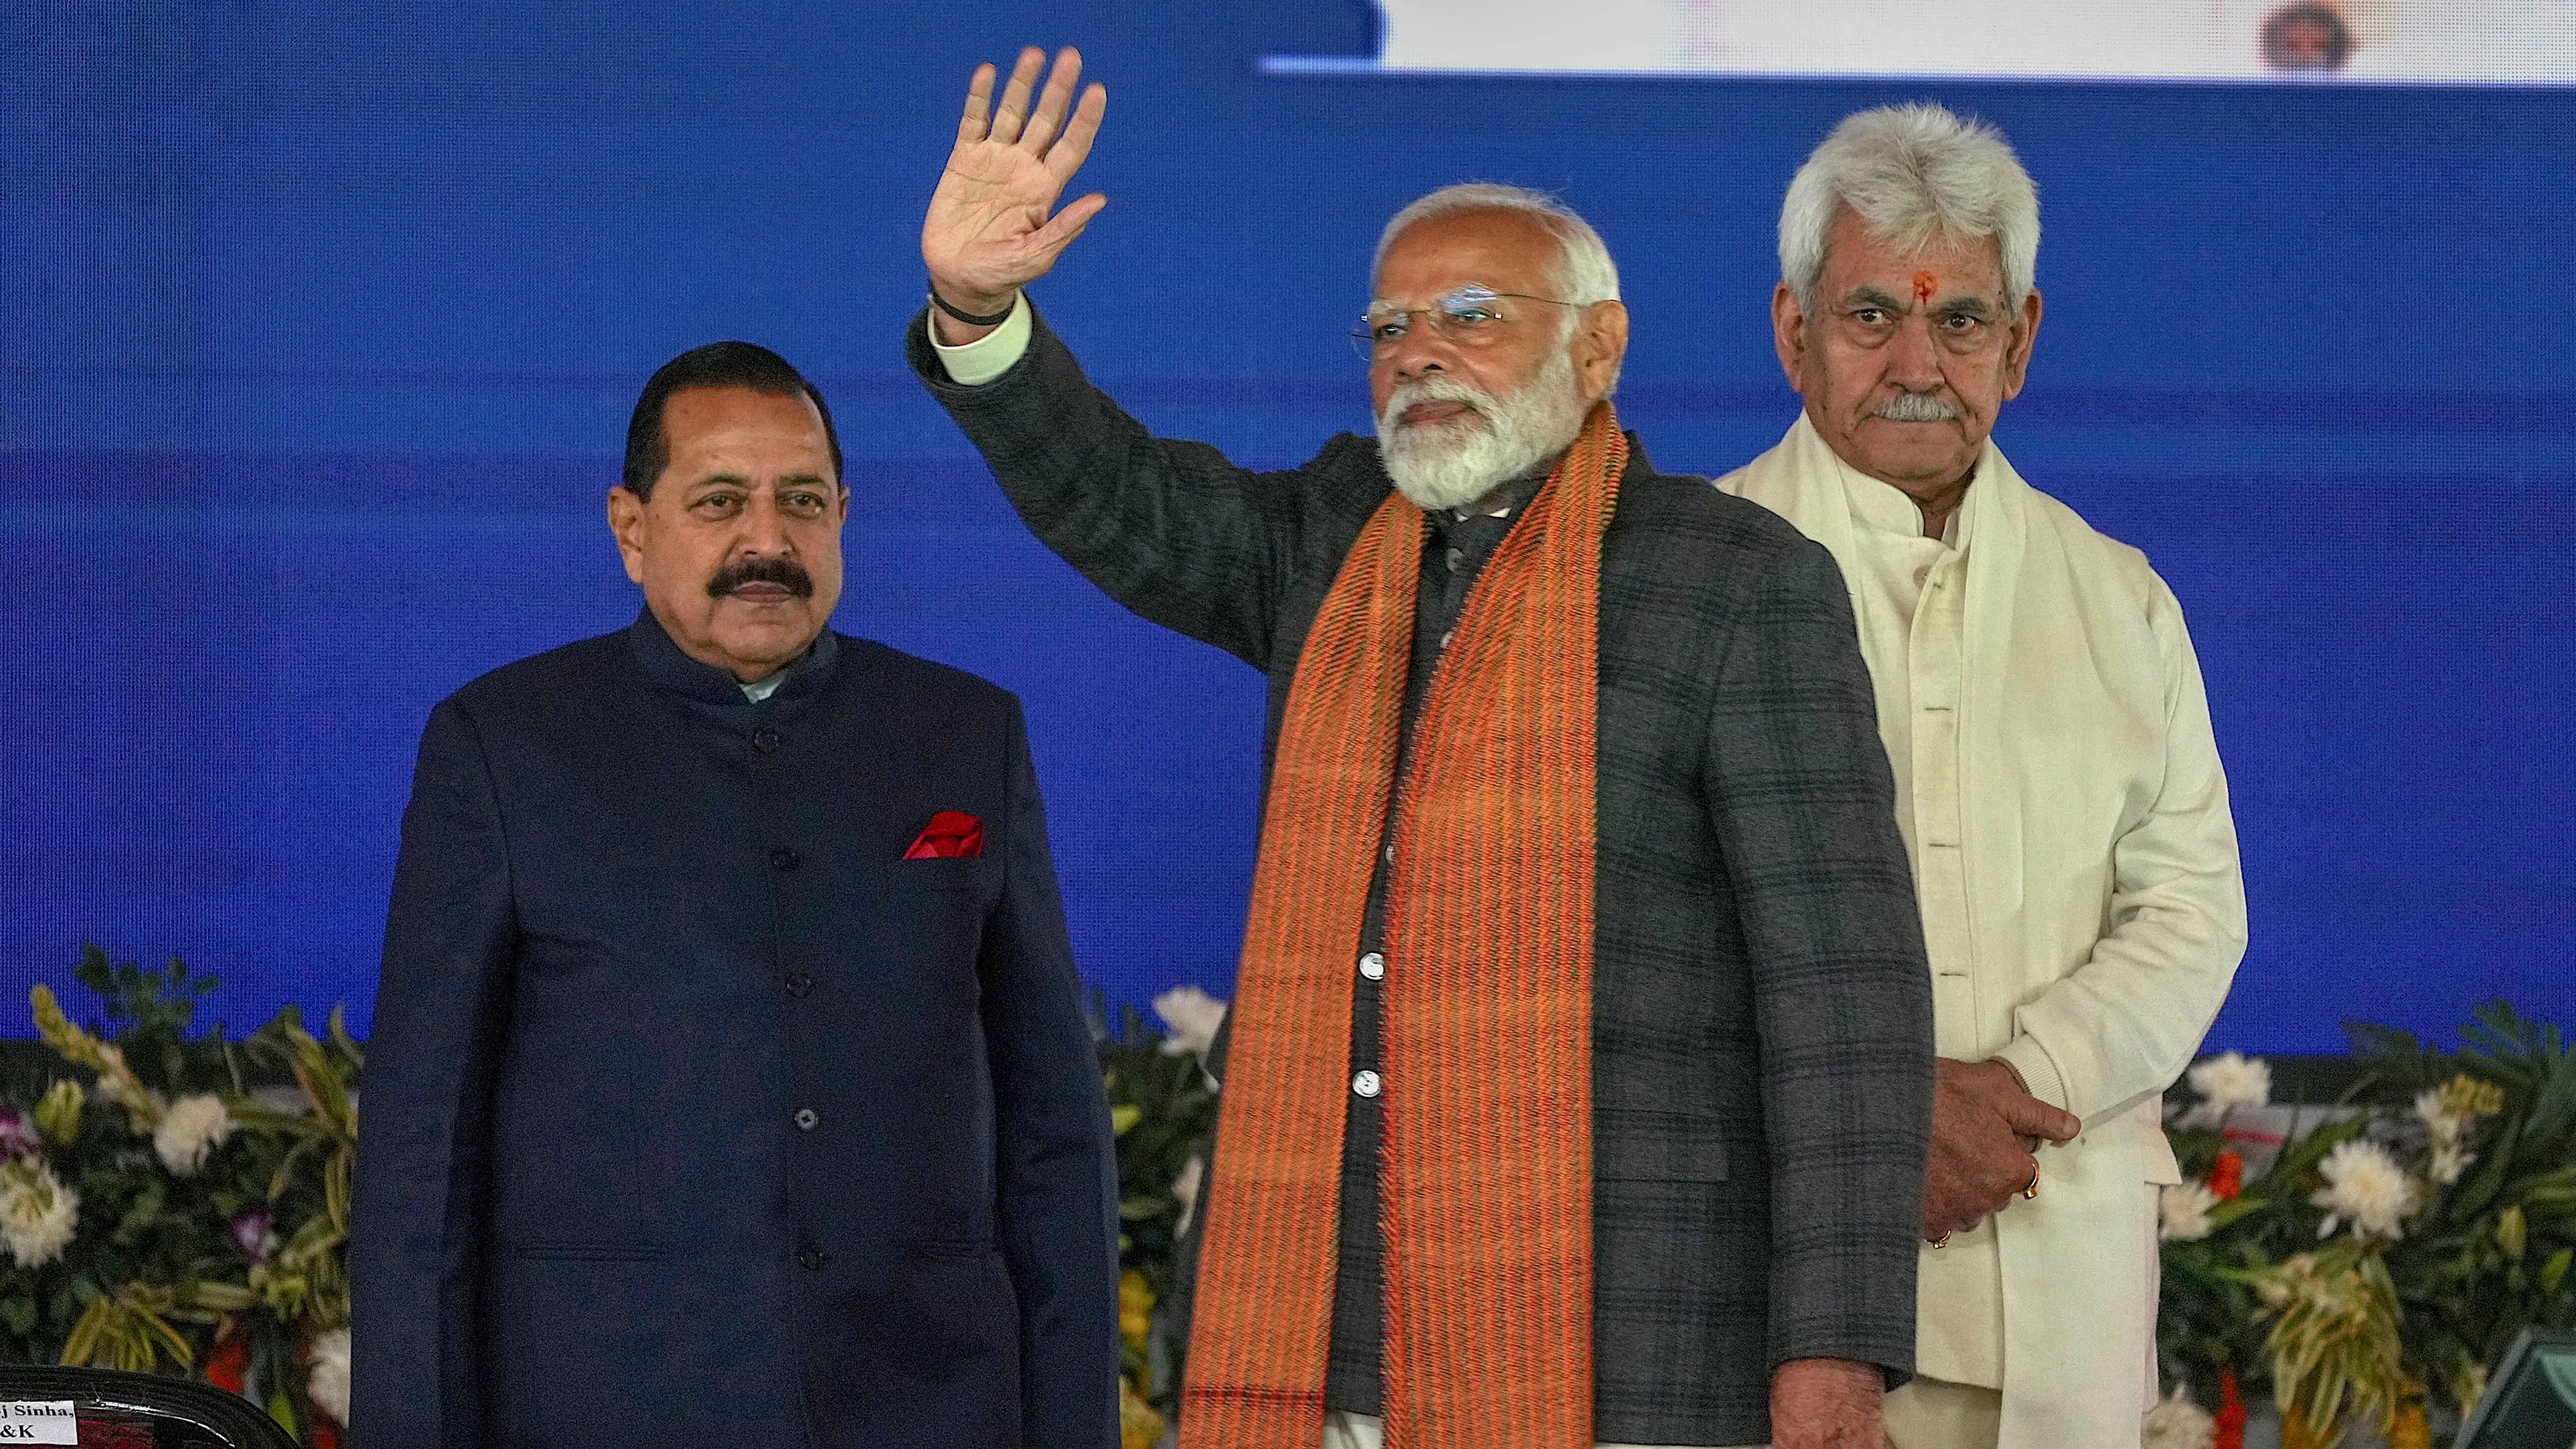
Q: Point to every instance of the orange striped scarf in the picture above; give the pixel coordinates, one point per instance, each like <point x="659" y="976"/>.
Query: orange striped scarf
<point x="1486" y="1175"/>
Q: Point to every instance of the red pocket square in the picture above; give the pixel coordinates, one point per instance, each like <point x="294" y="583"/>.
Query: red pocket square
<point x="950" y="835"/>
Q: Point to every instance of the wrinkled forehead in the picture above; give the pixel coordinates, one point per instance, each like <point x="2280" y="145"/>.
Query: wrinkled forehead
<point x="1858" y="254"/>
<point x="1506" y="251"/>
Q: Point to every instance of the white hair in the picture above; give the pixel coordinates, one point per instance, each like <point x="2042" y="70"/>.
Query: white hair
<point x="1584" y="268"/>
<point x="1915" y="174"/>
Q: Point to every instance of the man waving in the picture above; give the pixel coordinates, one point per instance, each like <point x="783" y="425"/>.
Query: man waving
<point x="1580" y="1073"/>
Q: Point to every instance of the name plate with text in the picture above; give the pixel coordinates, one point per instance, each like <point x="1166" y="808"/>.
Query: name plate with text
<point x="25" y="1421"/>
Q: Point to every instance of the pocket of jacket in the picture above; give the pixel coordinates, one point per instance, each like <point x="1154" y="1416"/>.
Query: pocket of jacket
<point x="956" y="873"/>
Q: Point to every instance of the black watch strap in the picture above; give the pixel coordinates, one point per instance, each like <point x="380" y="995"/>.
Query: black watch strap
<point x="969" y="318"/>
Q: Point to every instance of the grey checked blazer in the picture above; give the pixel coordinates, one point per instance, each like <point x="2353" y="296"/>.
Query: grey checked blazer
<point x="1762" y="1015"/>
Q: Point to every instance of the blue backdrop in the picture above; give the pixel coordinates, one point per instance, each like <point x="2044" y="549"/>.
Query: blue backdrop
<point x="322" y="322"/>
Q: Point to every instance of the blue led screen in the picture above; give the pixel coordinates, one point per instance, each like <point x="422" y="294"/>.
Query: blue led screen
<point x="322" y="323"/>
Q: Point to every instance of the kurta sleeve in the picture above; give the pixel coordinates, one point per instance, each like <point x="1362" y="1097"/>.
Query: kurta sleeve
<point x="1171" y="529"/>
<point x="1802" y="802"/>
<point x="1057" y="1163"/>
<point x="423" y="1145"/>
<point x="2122" y="1026"/>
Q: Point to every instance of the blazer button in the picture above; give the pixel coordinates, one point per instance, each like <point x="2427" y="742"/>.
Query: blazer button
<point x="1366" y="1083"/>
<point x="811" y="1257"/>
<point x="784" y="858"/>
<point x="799" y="983"/>
<point x="807" y="1119"/>
<point x="1373" y="966"/>
<point x="766" y="740"/>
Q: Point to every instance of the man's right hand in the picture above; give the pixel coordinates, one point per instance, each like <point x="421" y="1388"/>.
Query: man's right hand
<point x="1983" y="1123"/>
<point x="988" y="233"/>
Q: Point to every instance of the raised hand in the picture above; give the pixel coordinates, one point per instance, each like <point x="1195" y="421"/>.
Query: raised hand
<point x="989" y="231"/>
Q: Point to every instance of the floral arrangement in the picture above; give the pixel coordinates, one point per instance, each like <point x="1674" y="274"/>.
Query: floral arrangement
<point x="2371" y="1274"/>
<point x="1163" y="1106"/>
<point x="161" y="1214"/>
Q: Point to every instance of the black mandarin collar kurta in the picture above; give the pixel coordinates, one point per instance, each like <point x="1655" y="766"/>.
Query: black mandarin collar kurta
<point x="1455" y="548"/>
<point x="671" y="667"/>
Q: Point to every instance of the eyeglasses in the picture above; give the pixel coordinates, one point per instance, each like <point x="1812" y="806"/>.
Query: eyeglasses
<point x="1466" y="317"/>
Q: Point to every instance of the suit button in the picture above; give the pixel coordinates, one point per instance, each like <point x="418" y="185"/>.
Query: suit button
<point x="784" y="859"/>
<point x="811" y="1257"/>
<point x="807" y="1119"/>
<point x="1373" y="966"/>
<point x="799" y="982"/>
<point x="1367" y="1084"/>
<point x="766" y="740"/>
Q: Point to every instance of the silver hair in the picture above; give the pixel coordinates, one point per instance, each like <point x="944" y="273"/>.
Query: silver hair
<point x="1916" y="174"/>
<point x="1584" y="267"/>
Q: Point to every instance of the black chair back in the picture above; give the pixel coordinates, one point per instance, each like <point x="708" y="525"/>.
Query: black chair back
<point x="2531" y="1401"/>
<point x="137" y="1411"/>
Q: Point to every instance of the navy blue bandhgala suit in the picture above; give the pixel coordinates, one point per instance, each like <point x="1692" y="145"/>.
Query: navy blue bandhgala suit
<point x="697" y="1114"/>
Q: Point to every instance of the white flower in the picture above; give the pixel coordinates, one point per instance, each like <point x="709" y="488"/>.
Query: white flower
<point x="328" y="1381"/>
<point x="2446" y="1125"/>
<point x="1186" y="1188"/>
<point x="2178" y="1423"/>
<point x="2366" y="1186"/>
<point x="1192" y="1017"/>
<point x="2182" y="1212"/>
<point x="191" y="1128"/>
<point x="2450" y="1160"/>
<point x="37" y="1213"/>
<point x="2226" y="1082"/>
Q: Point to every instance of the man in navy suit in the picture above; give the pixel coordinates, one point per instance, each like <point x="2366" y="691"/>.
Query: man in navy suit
<point x="731" y="1081"/>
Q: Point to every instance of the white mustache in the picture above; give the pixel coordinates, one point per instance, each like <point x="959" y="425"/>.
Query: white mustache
<point x="1432" y="389"/>
<point x="1916" y="407"/>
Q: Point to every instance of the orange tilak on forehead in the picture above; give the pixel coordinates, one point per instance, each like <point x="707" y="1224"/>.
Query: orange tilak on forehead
<point x="1925" y="284"/>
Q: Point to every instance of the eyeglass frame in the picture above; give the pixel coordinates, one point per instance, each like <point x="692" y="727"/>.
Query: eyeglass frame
<point x="1365" y="337"/>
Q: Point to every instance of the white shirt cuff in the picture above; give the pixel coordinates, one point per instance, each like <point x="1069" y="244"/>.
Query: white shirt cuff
<point x="973" y="364"/>
<point x="2038" y="1070"/>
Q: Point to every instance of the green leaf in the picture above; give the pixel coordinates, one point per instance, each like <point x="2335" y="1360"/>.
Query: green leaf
<point x="2554" y="1272"/>
<point x="2480" y="1189"/>
<point x="145" y="1211"/>
<point x="1124" y="1116"/>
<point x="2234" y="1211"/>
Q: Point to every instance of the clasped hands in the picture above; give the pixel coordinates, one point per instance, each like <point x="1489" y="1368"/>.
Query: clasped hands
<point x="1985" y="1126"/>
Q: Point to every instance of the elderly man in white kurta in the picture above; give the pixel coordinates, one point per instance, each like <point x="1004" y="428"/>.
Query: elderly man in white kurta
<point x="2058" y="785"/>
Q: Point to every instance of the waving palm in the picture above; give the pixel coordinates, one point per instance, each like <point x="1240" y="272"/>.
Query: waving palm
<point x="988" y="232"/>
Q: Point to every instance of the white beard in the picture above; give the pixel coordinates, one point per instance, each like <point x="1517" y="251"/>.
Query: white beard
<point x="1452" y="464"/>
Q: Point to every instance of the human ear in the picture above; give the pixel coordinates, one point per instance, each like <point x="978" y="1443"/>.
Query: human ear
<point x="2017" y="346"/>
<point x="1601" y="340"/>
<point x="626" y="522"/>
<point x="1789" y="335"/>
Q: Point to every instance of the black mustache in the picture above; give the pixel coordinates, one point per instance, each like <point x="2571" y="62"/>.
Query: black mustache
<point x="787" y="573"/>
